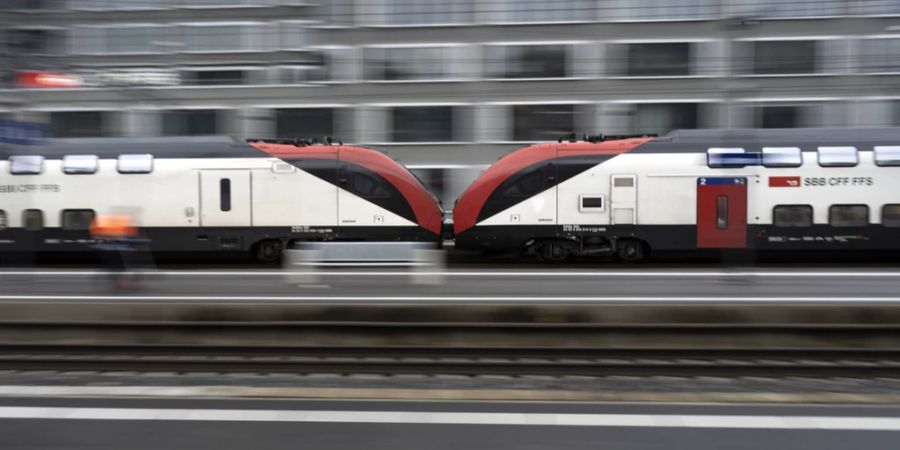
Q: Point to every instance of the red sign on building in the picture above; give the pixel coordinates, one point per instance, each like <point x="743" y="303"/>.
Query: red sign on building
<point x="47" y="80"/>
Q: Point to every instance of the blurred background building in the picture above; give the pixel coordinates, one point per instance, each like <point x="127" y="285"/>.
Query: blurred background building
<point x="446" y="82"/>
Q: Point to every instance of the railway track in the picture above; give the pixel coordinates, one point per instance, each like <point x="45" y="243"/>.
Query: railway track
<point x="471" y="361"/>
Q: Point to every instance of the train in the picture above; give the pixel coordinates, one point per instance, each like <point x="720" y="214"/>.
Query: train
<point x="210" y="194"/>
<point x="624" y="196"/>
<point x="787" y="190"/>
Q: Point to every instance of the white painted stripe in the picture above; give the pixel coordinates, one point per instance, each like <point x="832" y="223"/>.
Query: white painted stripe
<point x="479" y="299"/>
<point x="488" y="273"/>
<point x="459" y="418"/>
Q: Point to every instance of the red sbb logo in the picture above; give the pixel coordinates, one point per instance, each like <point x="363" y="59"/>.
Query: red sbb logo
<point x="784" y="181"/>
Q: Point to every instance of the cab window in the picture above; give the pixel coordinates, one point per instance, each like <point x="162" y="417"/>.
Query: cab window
<point x="367" y="186"/>
<point x="525" y="185"/>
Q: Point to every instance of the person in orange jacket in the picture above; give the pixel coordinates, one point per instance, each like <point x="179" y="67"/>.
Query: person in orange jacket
<point x="115" y="236"/>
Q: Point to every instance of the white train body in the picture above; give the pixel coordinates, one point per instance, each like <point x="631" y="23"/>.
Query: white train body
<point x="690" y="190"/>
<point x="209" y="194"/>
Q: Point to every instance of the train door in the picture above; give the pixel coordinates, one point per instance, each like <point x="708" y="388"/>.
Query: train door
<point x="623" y="199"/>
<point x="225" y="198"/>
<point x="722" y="212"/>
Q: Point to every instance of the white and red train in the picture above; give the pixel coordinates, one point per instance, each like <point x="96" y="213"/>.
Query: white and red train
<point x="789" y="189"/>
<point x="774" y="189"/>
<point x="210" y="194"/>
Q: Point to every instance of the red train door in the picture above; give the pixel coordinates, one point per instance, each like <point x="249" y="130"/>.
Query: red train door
<point x="722" y="212"/>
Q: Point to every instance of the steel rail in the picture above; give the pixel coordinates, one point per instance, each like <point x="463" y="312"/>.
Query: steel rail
<point x="473" y="361"/>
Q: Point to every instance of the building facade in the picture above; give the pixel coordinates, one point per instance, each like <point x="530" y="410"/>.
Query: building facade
<point x="447" y="82"/>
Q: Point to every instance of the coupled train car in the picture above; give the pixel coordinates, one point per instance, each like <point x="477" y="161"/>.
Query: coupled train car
<point x="209" y="194"/>
<point x="769" y="189"/>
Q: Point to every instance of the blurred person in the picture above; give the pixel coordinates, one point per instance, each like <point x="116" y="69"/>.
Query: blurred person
<point x="117" y="240"/>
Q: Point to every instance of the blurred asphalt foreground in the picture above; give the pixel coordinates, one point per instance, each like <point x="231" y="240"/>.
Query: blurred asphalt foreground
<point x="205" y="357"/>
<point x="530" y="332"/>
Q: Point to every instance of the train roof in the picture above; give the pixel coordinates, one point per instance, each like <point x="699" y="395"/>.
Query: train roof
<point x="752" y="139"/>
<point x="159" y="147"/>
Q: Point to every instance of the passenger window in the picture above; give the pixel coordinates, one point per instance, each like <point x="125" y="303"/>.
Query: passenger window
<point x="26" y="164"/>
<point x="33" y="219"/>
<point x="623" y="182"/>
<point x="782" y="157"/>
<point x="525" y="185"/>
<point x="838" y="156"/>
<point x="368" y="187"/>
<point x="887" y="155"/>
<point x="2" y="220"/>
<point x="129" y="164"/>
<point x="793" y="216"/>
<point x="730" y="158"/>
<point x="722" y="212"/>
<point x="890" y="215"/>
<point x="848" y="215"/>
<point x="225" y="194"/>
<point x="591" y="203"/>
<point x="282" y="167"/>
<point x="80" y="164"/>
<point x="77" y="219"/>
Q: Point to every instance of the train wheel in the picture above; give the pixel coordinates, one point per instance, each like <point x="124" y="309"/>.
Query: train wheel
<point x="553" y="251"/>
<point x="268" y="251"/>
<point x="631" y="250"/>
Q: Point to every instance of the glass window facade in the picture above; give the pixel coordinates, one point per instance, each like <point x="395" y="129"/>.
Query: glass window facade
<point x="526" y="61"/>
<point x="661" y="118"/>
<point x="659" y="59"/>
<point x="193" y="122"/>
<point x="545" y="11"/>
<point x="69" y="124"/>
<point x="224" y="38"/>
<point x="424" y="12"/>
<point x="778" y="116"/>
<point x="769" y="8"/>
<point x="34" y="41"/>
<point x="119" y="4"/>
<point x="121" y="40"/>
<point x="132" y="39"/>
<point x="412" y="63"/>
<point x="422" y="124"/>
<point x="876" y="7"/>
<point x="304" y="122"/>
<point x="214" y="77"/>
<point x="542" y="122"/>
<point x="660" y="9"/>
<point x="879" y="55"/>
<point x="784" y="57"/>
